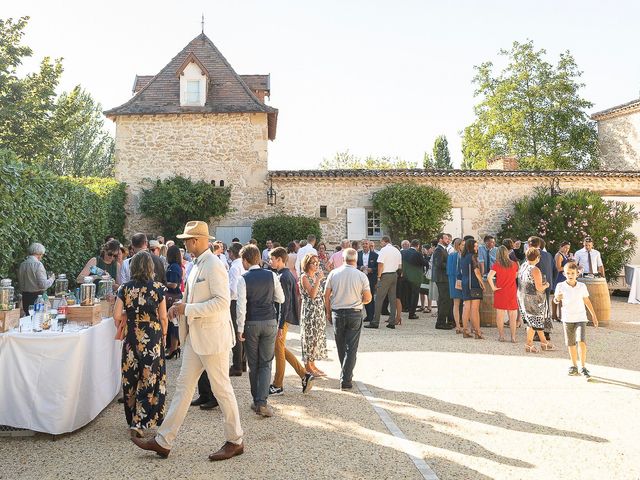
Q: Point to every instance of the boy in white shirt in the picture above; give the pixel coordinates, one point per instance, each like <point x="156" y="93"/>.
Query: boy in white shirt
<point x="575" y="297"/>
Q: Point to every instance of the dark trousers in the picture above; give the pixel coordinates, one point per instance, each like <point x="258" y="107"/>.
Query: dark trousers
<point x="29" y="298"/>
<point x="414" y="296"/>
<point x="445" y="305"/>
<point x="260" y="340"/>
<point x="204" y="387"/>
<point x="370" y="307"/>
<point x="239" y="358"/>
<point x="347" y="325"/>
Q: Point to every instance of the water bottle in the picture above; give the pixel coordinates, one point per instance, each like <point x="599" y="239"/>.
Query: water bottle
<point x="38" y="313"/>
<point x="97" y="271"/>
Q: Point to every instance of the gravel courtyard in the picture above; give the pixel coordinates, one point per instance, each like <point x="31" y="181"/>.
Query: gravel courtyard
<point x="470" y="409"/>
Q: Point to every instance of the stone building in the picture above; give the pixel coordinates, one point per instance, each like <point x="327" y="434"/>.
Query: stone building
<point x="619" y="136"/>
<point x="200" y="119"/>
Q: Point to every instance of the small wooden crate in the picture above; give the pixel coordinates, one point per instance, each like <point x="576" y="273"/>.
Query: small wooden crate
<point x="9" y="319"/>
<point x="90" y="314"/>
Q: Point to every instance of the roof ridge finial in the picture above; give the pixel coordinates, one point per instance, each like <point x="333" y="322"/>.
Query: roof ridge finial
<point x="202" y="23"/>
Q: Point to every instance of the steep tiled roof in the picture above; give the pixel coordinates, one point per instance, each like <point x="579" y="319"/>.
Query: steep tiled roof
<point x="257" y="82"/>
<point x="227" y="92"/>
<point x="420" y="173"/>
<point x="624" y="109"/>
<point x="140" y="82"/>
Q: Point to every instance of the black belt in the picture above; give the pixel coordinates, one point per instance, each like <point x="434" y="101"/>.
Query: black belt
<point x="346" y="310"/>
<point x="389" y="273"/>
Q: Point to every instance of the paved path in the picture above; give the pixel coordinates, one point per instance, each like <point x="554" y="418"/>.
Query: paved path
<point x="429" y="405"/>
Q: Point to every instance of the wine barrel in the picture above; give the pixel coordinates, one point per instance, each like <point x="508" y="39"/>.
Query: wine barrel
<point x="600" y="299"/>
<point x="487" y="312"/>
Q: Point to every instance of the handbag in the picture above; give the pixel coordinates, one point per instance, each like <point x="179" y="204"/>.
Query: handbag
<point x="475" y="292"/>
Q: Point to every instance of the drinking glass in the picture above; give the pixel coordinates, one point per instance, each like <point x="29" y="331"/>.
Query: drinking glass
<point x="31" y="312"/>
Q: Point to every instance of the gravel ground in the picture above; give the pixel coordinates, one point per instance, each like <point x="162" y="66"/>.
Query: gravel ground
<point x="471" y="409"/>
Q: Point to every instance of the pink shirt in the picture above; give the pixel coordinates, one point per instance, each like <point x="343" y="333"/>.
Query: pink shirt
<point x="336" y="259"/>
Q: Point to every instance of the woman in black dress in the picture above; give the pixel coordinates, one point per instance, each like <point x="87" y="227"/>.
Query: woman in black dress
<point x="141" y="312"/>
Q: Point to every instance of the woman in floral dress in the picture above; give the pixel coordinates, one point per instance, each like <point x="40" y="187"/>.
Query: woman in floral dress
<point x="141" y="313"/>
<point x="532" y="300"/>
<point x="313" y="316"/>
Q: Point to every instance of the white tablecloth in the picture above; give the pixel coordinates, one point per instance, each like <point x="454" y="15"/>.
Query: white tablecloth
<point x="58" y="382"/>
<point x="632" y="277"/>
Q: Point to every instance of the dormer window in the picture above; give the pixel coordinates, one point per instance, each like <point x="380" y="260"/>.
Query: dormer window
<point x="194" y="79"/>
<point x="193" y="92"/>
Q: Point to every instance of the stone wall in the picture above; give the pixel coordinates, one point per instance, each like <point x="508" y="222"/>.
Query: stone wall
<point x="619" y="139"/>
<point x="209" y="147"/>
<point x="484" y="201"/>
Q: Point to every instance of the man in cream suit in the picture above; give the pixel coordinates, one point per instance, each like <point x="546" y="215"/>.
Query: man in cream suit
<point x="207" y="336"/>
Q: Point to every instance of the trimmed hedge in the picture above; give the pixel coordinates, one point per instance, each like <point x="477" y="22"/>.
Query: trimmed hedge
<point x="285" y="228"/>
<point x="69" y="216"/>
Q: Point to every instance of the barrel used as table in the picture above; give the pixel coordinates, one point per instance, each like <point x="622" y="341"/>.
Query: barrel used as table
<point x="600" y="299"/>
<point x="487" y="312"/>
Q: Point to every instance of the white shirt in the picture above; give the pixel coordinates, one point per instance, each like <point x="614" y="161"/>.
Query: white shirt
<point x="365" y="259"/>
<point x="308" y="248"/>
<point x="223" y="259"/>
<point x="582" y="259"/>
<point x="391" y="257"/>
<point x="265" y="258"/>
<point x="573" y="307"/>
<point x="241" y="306"/>
<point x="235" y="272"/>
<point x="124" y="275"/>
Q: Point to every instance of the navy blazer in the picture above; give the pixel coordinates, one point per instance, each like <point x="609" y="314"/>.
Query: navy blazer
<point x="373" y="265"/>
<point x="548" y="267"/>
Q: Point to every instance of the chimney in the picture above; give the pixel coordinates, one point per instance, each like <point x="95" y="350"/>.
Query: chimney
<point x="508" y="162"/>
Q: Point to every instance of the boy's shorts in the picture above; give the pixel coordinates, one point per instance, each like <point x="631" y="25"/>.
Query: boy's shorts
<point x="574" y="332"/>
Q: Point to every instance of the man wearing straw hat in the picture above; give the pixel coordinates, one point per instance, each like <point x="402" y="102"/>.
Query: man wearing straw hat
<point x="207" y="334"/>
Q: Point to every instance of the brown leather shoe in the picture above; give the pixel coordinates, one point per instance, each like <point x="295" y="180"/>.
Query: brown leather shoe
<point x="227" y="451"/>
<point x="152" y="445"/>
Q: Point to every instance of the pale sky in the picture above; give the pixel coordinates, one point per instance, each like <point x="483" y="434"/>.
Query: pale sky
<point x="374" y="77"/>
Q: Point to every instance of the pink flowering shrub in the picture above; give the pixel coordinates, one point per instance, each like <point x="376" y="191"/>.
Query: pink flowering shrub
<point x="571" y="216"/>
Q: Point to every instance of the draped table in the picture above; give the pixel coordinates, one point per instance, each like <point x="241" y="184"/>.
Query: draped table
<point x="632" y="277"/>
<point x="57" y="382"/>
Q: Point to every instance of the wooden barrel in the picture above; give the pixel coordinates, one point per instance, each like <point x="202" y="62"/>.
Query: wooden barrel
<point x="487" y="312"/>
<point x="600" y="299"/>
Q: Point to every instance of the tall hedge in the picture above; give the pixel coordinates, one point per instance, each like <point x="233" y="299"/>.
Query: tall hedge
<point x="285" y="228"/>
<point x="69" y="216"/>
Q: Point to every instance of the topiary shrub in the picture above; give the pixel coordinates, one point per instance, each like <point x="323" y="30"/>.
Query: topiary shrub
<point x="571" y="216"/>
<point x="173" y="202"/>
<point x="410" y="211"/>
<point x="285" y="228"/>
<point x="69" y="216"/>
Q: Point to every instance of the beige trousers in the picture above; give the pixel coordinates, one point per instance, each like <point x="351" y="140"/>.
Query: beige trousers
<point x="217" y="367"/>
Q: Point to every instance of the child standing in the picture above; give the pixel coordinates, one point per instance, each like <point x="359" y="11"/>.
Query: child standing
<point x="575" y="297"/>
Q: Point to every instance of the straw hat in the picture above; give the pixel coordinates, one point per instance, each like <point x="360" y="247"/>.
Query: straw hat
<point x="194" y="229"/>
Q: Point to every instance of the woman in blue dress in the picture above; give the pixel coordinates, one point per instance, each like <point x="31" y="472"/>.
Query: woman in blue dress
<point x="453" y="265"/>
<point x="470" y="277"/>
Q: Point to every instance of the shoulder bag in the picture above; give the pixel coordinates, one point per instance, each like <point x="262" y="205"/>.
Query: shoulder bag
<point x="476" y="293"/>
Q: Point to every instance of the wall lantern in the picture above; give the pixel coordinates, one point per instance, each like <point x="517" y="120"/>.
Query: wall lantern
<point x="271" y="195"/>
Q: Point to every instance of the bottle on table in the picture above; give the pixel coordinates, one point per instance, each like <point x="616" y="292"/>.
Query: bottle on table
<point x="38" y="313"/>
<point x="97" y="271"/>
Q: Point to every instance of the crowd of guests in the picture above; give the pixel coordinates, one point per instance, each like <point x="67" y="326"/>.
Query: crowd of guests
<point x="208" y="299"/>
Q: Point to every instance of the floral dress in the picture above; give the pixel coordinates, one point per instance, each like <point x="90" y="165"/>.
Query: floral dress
<point x="533" y="304"/>
<point x="312" y="324"/>
<point x="144" y="375"/>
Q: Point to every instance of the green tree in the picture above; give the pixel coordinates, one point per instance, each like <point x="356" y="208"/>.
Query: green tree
<point x="26" y="104"/>
<point x="285" y="228"/>
<point x="348" y="161"/>
<point x="408" y="210"/>
<point x="84" y="147"/>
<point x="533" y="110"/>
<point x="441" y="158"/>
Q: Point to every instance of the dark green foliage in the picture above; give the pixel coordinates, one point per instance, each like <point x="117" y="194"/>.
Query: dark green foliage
<point x="409" y="211"/>
<point x="571" y="216"/>
<point x="70" y="217"/>
<point x="285" y="228"/>
<point x="441" y="158"/>
<point x="171" y="203"/>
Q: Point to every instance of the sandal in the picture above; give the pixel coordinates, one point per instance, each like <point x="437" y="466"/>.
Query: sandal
<point x="531" y="349"/>
<point x="501" y="339"/>
<point x="479" y="336"/>
<point x="458" y="329"/>
<point x="466" y="334"/>
<point x="548" y="346"/>
<point x="427" y="309"/>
